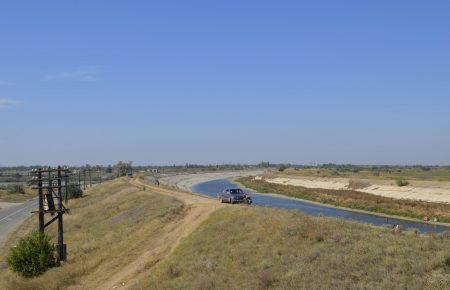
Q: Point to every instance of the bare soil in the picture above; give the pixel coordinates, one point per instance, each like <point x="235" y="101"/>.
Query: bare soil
<point x="198" y="209"/>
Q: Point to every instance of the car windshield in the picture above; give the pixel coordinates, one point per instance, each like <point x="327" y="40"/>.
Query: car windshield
<point x="235" y="191"/>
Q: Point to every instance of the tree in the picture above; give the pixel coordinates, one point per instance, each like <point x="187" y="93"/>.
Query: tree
<point x="282" y="168"/>
<point x="15" y="188"/>
<point x="109" y="169"/>
<point x="123" y="168"/>
<point x="74" y="191"/>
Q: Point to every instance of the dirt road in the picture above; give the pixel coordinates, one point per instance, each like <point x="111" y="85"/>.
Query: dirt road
<point x="198" y="209"/>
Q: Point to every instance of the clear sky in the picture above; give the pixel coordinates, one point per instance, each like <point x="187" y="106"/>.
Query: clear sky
<point x="163" y="82"/>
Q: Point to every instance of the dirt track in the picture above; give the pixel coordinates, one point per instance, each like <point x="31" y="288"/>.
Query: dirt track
<point x="197" y="210"/>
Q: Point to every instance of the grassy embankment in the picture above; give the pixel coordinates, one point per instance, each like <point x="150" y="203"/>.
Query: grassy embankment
<point x="355" y="200"/>
<point x="237" y="247"/>
<point x="258" y="248"/>
<point x="106" y="230"/>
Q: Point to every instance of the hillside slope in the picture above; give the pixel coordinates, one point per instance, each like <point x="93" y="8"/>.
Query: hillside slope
<point x="115" y="235"/>
<point x="129" y="235"/>
<point x="259" y="248"/>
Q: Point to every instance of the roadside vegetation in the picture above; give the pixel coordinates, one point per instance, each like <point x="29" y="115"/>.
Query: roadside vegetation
<point x="32" y="256"/>
<point x="355" y="200"/>
<point x="110" y="227"/>
<point x="262" y="248"/>
<point x="15" y="193"/>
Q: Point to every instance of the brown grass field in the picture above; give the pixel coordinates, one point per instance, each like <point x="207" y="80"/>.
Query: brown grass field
<point x="261" y="248"/>
<point x="108" y="229"/>
<point x="122" y="237"/>
<point x="16" y="197"/>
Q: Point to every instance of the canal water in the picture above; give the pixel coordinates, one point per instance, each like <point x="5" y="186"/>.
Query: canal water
<point x="211" y="188"/>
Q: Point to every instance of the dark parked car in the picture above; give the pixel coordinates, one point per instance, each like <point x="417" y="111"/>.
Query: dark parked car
<point x="236" y="195"/>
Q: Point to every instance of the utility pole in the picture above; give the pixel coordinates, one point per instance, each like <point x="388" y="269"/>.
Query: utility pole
<point x="84" y="177"/>
<point x="79" y="178"/>
<point x="41" y="202"/>
<point x="90" y="178"/>
<point x="48" y="183"/>
<point x="61" y="249"/>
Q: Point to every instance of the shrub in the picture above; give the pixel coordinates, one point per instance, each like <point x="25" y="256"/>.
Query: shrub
<point x="15" y="188"/>
<point x="32" y="256"/>
<point x="402" y="182"/>
<point x="74" y="191"/>
<point x="335" y="173"/>
<point x="282" y="168"/>
<point x="357" y="184"/>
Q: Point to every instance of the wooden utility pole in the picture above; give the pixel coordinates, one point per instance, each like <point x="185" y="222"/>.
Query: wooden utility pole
<point x="41" y="202"/>
<point x="79" y="178"/>
<point x="84" y="177"/>
<point x="61" y="249"/>
<point x="48" y="184"/>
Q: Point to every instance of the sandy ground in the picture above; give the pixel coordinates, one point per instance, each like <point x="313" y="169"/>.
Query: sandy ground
<point x="418" y="190"/>
<point x="186" y="181"/>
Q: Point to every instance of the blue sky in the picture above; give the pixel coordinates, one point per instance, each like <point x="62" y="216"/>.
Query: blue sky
<point x="163" y="82"/>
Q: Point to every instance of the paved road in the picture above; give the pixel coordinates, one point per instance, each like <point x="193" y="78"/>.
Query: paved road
<point x="13" y="216"/>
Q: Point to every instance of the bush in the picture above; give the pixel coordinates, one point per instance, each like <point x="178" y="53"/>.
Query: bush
<point x="32" y="256"/>
<point x="74" y="191"/>
<point x="402" y="182"/>
<point x="282" y="168"/>
<point x="15" y="188"/>
<point x="358" y="184"/>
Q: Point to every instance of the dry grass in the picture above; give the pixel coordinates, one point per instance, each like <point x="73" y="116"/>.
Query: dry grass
<point x="5" y="196"/>
<point x="355" y="200"/>
<point x="109" y="228"/>
<point x="260" y="248"/>
<point x="237" y="247"/>
<point x="355" y="184"/>
<point x="433" y="174"/>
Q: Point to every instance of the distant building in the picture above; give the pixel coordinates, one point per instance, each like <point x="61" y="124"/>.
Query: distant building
<point x="153" y="170"/>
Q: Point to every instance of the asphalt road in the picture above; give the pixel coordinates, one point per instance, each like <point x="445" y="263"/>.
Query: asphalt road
<point x="13" y="216"/>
